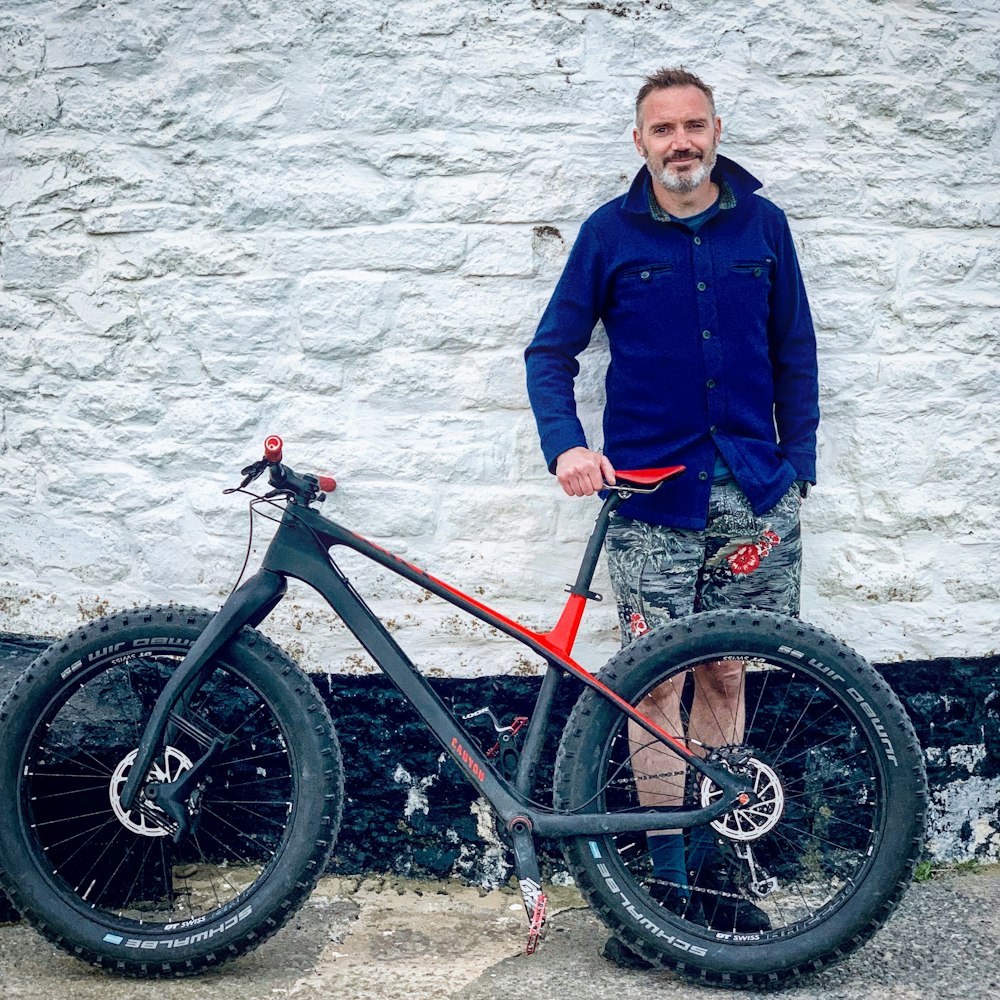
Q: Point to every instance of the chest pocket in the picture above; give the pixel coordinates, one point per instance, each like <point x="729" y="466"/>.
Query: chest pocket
<point x="637" y="283"/>
<point x="760" y="268"/>
<point x="748" y="287"/>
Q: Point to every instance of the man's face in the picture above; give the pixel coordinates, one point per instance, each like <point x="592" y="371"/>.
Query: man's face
<point x="678" y="137"/>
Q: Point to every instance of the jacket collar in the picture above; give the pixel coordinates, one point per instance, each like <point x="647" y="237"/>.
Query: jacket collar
<point x="741" y="181"/>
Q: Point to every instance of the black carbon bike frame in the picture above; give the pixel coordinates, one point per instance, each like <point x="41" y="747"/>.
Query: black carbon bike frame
<point x="301" y="549"/>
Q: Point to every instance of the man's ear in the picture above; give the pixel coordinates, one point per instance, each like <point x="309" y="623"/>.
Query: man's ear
<point x="637" y="139"/>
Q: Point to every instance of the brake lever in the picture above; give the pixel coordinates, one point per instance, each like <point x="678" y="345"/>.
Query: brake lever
<point x="250" y="473"/>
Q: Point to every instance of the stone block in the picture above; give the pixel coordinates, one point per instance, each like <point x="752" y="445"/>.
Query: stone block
<point x="267" y="188"/>
<point x="877" y="571"/>
<point x="41" y="267"/>
<point x="455" y="315"/>
<point x="20" y="313"/>
<point x="399" y="375"/>
<point x="503" y="252"/>
<point x="344" y="316"/>
<point x="29" y="109"/>
<point x="831" y="260"/>
<point x="22" y="48"/>
<point x="237" y="318"/>
<point x="141" y="219"/>
<point x="383" y="510"/>
<point x="381" y="248"/>
<point x="498" y="514"/>
<point x="813" y="42"/>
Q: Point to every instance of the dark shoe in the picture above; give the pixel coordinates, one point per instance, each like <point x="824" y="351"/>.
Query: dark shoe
<point x="669" y="896"/>
<point x="684" y="904"/>
<point x="623" y="956"/>
<point x="723" y="906"/>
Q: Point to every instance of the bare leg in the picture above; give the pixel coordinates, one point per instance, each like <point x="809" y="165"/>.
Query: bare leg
<point x="658" y="771"/>
<point x="718" y="712"/>
<point x="718" y="715"/>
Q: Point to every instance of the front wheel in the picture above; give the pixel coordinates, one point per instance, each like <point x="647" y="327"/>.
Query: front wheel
<point x="814" y="864"/>
<point x="111" y="886"/>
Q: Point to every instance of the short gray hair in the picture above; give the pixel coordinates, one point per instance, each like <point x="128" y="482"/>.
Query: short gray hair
<point x="670" y="77"/>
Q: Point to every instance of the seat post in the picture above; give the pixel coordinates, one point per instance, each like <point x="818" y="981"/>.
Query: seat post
<point x="588" y="566"/>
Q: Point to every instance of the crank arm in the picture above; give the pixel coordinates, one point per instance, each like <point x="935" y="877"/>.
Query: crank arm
<point x="529" y="878"/>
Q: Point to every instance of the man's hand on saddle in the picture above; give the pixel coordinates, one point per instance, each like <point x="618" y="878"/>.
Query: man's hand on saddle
<point x="582" y="472"/>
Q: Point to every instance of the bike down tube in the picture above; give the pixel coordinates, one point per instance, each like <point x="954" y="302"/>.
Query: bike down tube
<point x="300" y="550"/>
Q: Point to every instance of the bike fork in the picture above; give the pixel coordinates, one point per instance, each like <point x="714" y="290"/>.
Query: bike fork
<point x="529" y="878"/>
<point x="248" y="605"/>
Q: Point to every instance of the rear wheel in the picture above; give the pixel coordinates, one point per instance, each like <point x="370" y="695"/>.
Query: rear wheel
<point x="111" y="885"/>
<point x="824" y="851"/>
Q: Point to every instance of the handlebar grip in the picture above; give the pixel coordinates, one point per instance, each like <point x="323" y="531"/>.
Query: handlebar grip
<point x="327" y="483"/>
<point x="272" y="448"/>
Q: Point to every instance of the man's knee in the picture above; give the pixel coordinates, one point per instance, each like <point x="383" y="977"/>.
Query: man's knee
<point x="722" y="677"/>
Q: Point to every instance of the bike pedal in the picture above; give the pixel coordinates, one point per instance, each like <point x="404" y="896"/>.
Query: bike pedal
<point x="537" y="923"/>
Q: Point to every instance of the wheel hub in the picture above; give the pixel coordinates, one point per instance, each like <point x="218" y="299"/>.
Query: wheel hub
<point x="761" y="814"/>
<point x="147" y="820"/>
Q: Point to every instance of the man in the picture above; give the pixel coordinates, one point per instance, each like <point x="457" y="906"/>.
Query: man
<point x="712" y="366"/>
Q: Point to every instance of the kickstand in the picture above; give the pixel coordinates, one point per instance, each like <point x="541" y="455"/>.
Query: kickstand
<point x="529" y="878"/>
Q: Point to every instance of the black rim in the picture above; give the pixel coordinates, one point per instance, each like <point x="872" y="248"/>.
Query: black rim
<point x="127" y="867"/>
<point x="824" y="841"/>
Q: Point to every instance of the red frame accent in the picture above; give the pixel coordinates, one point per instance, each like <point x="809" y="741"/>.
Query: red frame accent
<point x="558" y="641"/>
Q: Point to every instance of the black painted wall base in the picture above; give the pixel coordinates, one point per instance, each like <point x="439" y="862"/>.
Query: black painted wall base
<point x="953" y="704"/>
<point x="410" y="812"/>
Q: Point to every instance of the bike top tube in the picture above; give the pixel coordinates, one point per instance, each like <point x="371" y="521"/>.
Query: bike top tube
<point x="303" y="490"/>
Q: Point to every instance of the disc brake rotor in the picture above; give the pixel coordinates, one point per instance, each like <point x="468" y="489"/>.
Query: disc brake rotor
<point x="148" y="820"/>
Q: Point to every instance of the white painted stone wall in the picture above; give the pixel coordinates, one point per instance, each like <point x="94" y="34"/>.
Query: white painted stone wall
<point x="340" y="222"/>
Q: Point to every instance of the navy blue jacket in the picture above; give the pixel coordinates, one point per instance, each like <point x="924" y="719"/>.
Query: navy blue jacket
<point x="711" y="342"/>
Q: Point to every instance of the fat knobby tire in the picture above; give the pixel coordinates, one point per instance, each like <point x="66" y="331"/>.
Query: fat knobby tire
<point x="100" y="908"/>
<point x="863" y="755"/>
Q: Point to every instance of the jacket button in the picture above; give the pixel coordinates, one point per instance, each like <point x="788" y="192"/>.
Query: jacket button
<point x="703" y="476"/>
<point x="697" y="241"/>
<point x="701" y="286"/>
<point x="756" y="272"/>
<point x="644" y="275"/>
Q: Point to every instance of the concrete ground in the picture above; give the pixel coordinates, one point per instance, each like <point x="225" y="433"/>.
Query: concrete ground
<point x="391" y="938"/>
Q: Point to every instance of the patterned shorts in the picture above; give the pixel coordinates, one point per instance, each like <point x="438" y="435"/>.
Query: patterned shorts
<point x="739" y="560"/>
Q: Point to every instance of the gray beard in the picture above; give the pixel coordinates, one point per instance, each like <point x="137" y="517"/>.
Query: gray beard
<point x="687" y="182"/>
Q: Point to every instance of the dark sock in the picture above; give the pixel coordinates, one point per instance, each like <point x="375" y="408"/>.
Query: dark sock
<point x="666" y="852"/>
<point x="702" y="848"/>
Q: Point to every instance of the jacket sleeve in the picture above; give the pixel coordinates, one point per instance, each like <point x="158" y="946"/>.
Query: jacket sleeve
<point x="792" y="342"/>
<point x="563" y="333"/>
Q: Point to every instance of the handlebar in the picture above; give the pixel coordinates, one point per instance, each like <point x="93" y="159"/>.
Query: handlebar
<point x="299" y="488"/>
